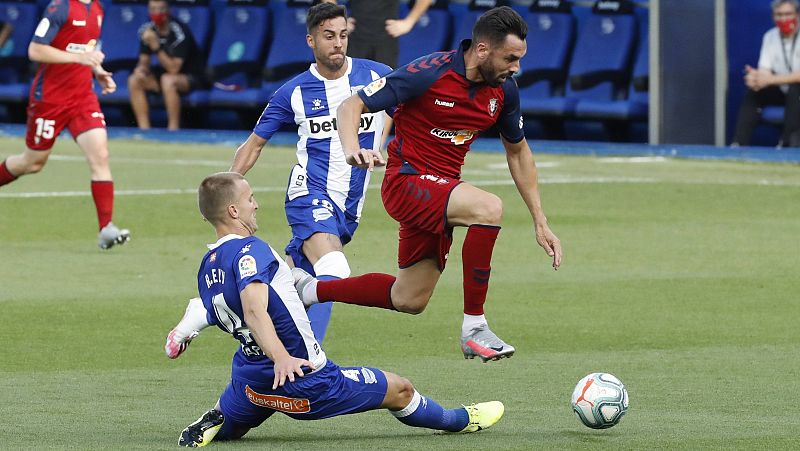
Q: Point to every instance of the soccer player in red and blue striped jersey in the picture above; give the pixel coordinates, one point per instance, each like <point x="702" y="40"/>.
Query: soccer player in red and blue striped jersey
<point x="443" y="102"/>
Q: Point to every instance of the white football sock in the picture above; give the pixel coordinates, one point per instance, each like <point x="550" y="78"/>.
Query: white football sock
<point x="471" y="322"/>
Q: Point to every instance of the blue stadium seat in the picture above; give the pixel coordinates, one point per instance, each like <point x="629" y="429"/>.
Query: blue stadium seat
<point x="119" y="40"/>
<point x="289" y="55"/>
<point x="601" y="61"/>
<point x="198" y="17"/>
<point x="464" y="18"/>
<point x="635" y="107"/>
<point x="430" y="34"/>
<point x="551" y="35"/>
<point x="15" y="69"/>
<point x="237" y="55"/>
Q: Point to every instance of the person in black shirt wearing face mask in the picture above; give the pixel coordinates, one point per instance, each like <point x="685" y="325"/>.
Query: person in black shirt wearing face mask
<point x="179" y="69"/>
<point x="776" y="81"/>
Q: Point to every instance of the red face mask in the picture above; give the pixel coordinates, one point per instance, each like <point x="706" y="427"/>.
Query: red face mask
<point x="787" y="26"/>
<point x="159" y="19"/>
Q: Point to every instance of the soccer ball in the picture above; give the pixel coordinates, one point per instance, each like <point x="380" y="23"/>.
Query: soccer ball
<point x="600" y="400"/>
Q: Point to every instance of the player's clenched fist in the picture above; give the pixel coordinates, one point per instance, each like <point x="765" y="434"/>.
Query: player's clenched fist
<point x="365" y="158"/>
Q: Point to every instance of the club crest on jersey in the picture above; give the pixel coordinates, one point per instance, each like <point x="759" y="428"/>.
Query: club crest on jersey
<point x="458" y="137"/>
<point x="247" y="266"/>
<point x="316" y="104"/>
<point x="492" y="107"/>
<point x="375" y="86"/>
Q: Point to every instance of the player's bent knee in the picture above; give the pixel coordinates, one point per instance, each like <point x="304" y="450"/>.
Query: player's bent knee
<point x="399" y="392"/>
<point x="412" y="306"/>
<point x="489" y="210"/>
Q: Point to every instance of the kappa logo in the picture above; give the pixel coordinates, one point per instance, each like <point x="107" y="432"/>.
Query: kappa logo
<point x="458" y="137"/>
<point x="212" y="258"/>
<point x="280" y="403"/>
<point x="245" y="249"/>
<point x="316" y="104"/>
<point x="492" y="107"/>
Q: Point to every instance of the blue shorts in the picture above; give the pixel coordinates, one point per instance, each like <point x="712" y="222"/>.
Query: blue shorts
<point x="315" y="213"/>
<point x="329" y="392"/>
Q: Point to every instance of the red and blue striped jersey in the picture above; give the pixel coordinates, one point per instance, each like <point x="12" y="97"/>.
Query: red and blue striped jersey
<point x="440" y="113"/>
<point x="72" y="26"/>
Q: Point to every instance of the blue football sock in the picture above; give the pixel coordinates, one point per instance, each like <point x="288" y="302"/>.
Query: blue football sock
<point x="426" y="413"/>
<point x="320" y="314"/>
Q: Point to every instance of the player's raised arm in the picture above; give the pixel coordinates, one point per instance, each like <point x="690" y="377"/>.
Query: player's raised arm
<point x="254" y="304"/>
<point x="348" y="118"/>
<point x="247" y="154"/>
<point x="523" y="171"/>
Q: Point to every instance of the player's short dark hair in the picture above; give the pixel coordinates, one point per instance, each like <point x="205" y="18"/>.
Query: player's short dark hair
<point x="497" y="23"/>
<point x="216" y="192"/>
<point x="321" y="12"/>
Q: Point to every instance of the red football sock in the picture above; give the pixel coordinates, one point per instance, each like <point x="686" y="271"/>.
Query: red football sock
<point x="370" y="290"/>
<point x="476" y="256"/>
<point x="6" y="177"/>
<point x="103" y="194"/>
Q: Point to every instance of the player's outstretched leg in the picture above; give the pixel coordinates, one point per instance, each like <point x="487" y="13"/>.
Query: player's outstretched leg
<point x="482" y="342"/>
<point x="427" y="413"/>
<point x="368" y="290"/>
<point x="202" y="431"/>
<point x="194" y="320"/>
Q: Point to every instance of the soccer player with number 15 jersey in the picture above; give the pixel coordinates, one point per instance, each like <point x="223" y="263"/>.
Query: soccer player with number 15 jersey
<point x="62" y="96"/>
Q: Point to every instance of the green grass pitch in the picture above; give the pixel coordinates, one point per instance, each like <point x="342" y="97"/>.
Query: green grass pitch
<point x="680" y="277"/>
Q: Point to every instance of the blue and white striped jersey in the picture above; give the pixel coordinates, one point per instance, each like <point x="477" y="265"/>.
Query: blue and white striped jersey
<point x="230" y="265"/>
<point x="310" y="101"/>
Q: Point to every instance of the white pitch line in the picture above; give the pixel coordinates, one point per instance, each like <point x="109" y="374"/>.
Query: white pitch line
<point x="656" y="159"/>
<point x="155" y="161"/>
<point x="272" y="189"/>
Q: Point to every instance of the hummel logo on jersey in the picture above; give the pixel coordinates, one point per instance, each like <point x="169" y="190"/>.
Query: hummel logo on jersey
<point x="458" y="137"/>
<point x="316" y="104"/>
<point x="443" y="103"/>
<point x="327" y="124"/>
<point x="79" y="23"/>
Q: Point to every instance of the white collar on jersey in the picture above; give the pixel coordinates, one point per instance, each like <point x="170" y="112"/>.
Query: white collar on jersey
<point x="316" y="74"/>
<point x="223" y="240"/>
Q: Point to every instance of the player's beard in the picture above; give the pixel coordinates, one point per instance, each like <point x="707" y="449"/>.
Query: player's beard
<point x="333" y="65"/>
<point x="491" y="76"/>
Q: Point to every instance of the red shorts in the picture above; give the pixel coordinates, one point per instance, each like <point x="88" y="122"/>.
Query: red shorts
<point x="46" y="120"/>
<point x="419" y="204"/>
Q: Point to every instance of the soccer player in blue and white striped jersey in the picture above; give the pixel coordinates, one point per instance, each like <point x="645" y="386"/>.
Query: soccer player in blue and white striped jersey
<point x="325" y="195"/>
<point x="249" y="293"/>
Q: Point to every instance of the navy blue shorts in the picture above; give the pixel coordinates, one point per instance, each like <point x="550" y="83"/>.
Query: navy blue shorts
<point x="315" y="213"/>
<point x="329" y="392"/>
